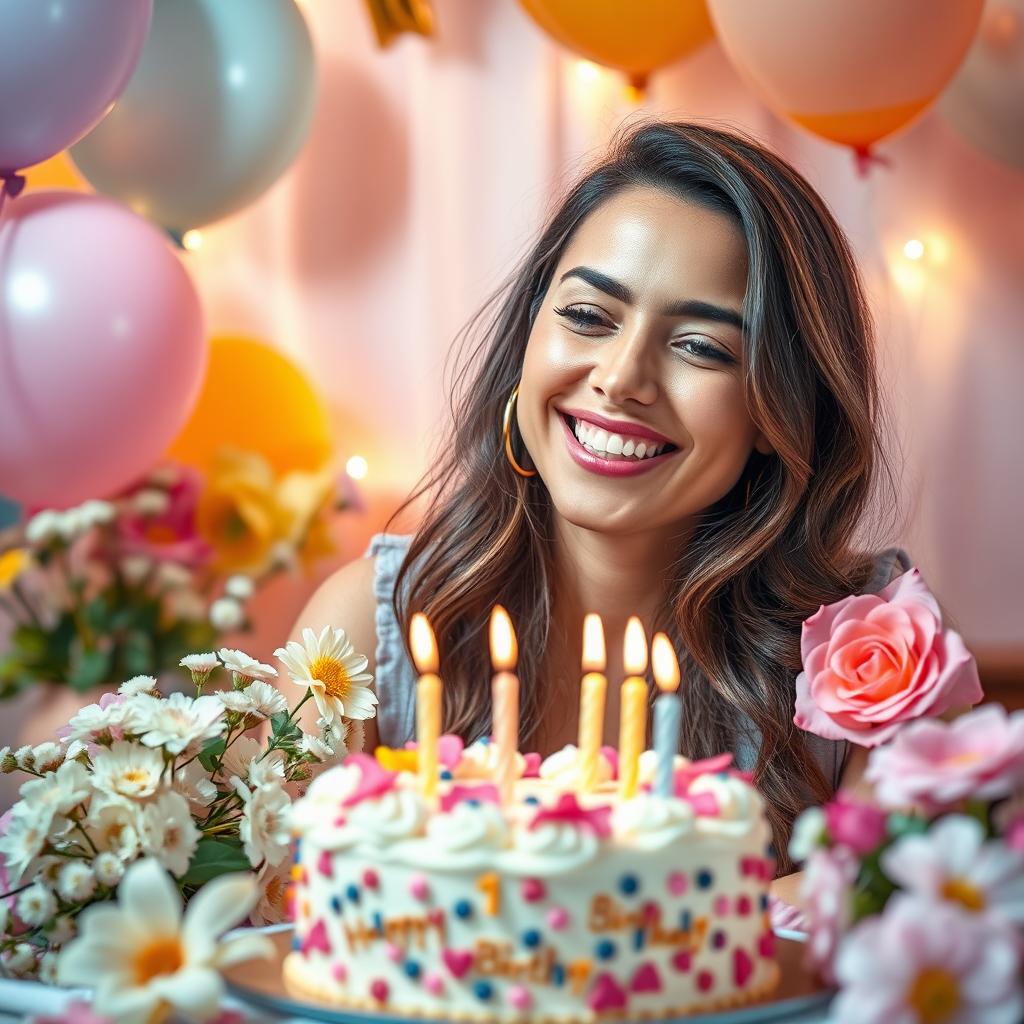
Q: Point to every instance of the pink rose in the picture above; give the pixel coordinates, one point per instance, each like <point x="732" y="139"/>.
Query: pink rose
<point x="934" y="764"/>
<point x="854" y="823"/>
<point x="875" y="661"/>
<point x="826" y="892"/>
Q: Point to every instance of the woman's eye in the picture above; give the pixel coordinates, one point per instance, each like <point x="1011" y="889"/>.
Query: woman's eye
<point x="581" y="317"/>
<point x="704" y="350"/>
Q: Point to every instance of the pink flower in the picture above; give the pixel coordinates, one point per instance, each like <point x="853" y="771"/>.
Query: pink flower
<point x="875" y="661"/>
<point x="926" y="961"/>
<point x="171" y="535"/>
<point x="934" y="764"/>
<point x="78" y="1011"/>
<point x="826" y="892"/>
<point x="1009" y="821"/>
<point x="952" y="861"/>
<point x="854" y="823"/>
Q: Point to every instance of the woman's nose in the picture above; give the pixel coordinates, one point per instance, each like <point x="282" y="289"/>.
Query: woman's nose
<point x="624" y="369"/>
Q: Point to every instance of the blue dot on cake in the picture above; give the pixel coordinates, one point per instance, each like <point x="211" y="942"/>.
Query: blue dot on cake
<point x="352" y="892"/>
<point x="629" y="884"/>
<point x="605" y="949"/>
<point x="531" y="938"/>
<point x="704" y="879"/>
<point x="464" y="909"/>
<point x="412" y="968"/>
<point x="483" y="990"/>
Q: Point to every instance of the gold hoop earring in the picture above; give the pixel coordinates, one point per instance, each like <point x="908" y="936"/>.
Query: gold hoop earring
<point x="506" y="429"/>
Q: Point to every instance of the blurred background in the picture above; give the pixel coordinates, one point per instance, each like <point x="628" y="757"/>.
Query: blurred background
<point x="292" y="208"/>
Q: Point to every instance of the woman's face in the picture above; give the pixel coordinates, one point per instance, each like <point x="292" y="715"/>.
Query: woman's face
<point x="637" y="347"/>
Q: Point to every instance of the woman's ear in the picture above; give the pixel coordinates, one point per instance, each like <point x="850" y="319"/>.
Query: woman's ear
<point x="763" y="445"/>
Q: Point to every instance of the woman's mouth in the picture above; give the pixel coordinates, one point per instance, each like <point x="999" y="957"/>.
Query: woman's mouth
<point x="611" y="454"/>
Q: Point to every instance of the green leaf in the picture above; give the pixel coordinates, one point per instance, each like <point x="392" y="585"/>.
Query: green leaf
<point x="215" y="857"/>
<point x="283" y="728"/>
<point x="90" y="669"/>
<point x="97" y="613"/>
<point x="211" y="753"/>
<point x="30" y="643"/>
<point x="137" y="655"/>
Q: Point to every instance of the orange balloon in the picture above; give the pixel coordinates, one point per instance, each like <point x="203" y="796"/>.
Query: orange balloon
<point x="635" y="37"/>
<point x="57" y="172"/>
<point x="850" y="72"/>
<point x="255" y="399"/>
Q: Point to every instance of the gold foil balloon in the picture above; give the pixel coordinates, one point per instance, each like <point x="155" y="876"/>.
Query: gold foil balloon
<point x="849" y="72"/>
<point x="393" y="17"/>
<point x="635" y="37"/>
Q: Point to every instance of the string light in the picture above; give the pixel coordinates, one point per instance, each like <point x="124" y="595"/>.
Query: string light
<point x="587" y="72"/>
<point x="192" y="240"/>
<point x="913" y="249"/>
<point x="357" y="467"/>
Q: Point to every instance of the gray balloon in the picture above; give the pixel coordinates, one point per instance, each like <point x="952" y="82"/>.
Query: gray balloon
<point x="218" y="107"/>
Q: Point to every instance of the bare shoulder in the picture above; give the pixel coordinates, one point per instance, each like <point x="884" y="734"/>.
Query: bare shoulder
<point x="345" y="599"/>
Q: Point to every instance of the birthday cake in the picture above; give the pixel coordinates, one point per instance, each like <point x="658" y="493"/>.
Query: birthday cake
<point x="552" y="905"/>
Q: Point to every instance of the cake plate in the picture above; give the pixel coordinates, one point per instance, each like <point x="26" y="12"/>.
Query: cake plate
<point x="260" y="984"/>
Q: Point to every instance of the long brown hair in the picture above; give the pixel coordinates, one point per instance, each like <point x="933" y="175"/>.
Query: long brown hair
<point x="754" y="569"/>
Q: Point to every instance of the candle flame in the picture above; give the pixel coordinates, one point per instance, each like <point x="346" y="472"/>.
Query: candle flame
<point x="664" y="664"/>
<point x="503" y="640"/>
<point x="424" y="647"/>
<point x="593" y="644"/>
<point x="635" y="648"/>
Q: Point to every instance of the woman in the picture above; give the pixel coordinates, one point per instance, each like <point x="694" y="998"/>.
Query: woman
<point x="684" y="363"/>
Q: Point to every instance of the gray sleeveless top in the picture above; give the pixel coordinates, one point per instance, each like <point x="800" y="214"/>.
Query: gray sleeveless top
<point x="396" y="675"/>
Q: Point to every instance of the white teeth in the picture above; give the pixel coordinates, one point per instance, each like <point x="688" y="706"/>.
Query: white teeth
<point x="628" y="448"/>
<point x="614" y="445"/>
<point x="599" y="441"/>
<point x="641" y="450"/>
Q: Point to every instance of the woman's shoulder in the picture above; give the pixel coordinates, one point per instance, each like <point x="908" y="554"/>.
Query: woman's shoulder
<point x="888" y="564"/>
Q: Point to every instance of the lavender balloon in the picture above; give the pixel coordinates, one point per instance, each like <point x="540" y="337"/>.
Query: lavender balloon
<point x="102" y="348"/>
<point x="62" y="63"/>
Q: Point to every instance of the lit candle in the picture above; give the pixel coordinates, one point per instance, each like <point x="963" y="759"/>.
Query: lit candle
<point x="592" y="693"/>
<point x="428" y="702"/>
<point x="633" y="709"/>
<point x="668" y="713"/>
<point x="505" y="699"/>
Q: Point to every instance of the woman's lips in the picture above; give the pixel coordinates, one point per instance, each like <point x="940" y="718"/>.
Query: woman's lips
<point x="609" y="467"/>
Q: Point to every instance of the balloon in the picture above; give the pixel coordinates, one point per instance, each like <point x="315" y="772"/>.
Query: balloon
<point x="985" y="102"/>
<point x="850" y="72"/>
<point x="635" y="37"/>
<point x="61" y="66"/>
<point x="390" y="19"/>
<point x="10" y="512"/>
<point x="254" y="398"/>
<point x="101" y="347"/>
<point x="218" y="107"/>
<point x="57" y="172"/>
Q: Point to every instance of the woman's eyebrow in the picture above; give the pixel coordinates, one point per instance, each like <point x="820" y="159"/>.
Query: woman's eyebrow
<point x="696" y="308"/>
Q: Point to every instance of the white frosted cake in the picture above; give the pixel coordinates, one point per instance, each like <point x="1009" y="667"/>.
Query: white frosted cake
<point x="555" y="907"/>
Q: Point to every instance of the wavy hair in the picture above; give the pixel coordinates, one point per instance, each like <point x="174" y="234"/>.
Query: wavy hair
<point x="752" y="570"/>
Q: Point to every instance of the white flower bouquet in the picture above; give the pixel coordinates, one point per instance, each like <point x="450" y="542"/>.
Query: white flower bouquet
<point x="199" y="785"/>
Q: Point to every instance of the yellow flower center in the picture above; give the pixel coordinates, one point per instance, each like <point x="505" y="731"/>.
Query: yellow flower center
<point x="277" y="892"/>
<point x="11" y="565"/>
<point x="959" y="890"/>
<point x="967" y="757"/>
<point x="332" y="674"/>
<point x="162" y="955"/>
<point x="136" y="776"/>
<point x="934" y="995"/>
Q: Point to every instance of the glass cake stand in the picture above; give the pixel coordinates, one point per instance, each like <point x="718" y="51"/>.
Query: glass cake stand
<point x="260" y="984"/>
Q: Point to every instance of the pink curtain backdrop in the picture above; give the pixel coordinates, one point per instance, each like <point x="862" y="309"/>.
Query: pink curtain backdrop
<point x="428" y="171"/>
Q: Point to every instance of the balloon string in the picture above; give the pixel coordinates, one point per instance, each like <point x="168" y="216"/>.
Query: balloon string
<point x="12" y="185"/>
<point x="865" y="156"/>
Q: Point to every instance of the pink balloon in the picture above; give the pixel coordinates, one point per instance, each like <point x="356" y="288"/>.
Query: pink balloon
<point x="102" y="348"/>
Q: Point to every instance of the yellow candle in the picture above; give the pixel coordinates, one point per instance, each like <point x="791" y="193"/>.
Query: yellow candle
<point x="505" y="700"/>
<point x="428" y="702"/>
<point x="633" y="710"/>
<point x="592" y="694"/>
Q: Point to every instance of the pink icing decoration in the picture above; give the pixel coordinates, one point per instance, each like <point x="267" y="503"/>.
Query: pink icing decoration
<point x="558" y="918"/>
<point x="371" y="879"/>
<point x="374" y="780"/>
<point x="677" y="883"/>
<point x="766" y="945"/>
<point x="433" y="983"/>
<point x="705" y="980"/>
<point x="340" y="972"/>
<point x="458" y="961"/>
<point x="436" y="917"/>
<point x="721" y="906"/>
<point x="704" y="804"/>
<point x="531" y="767"/>
<point x="394" y="953"/>
<point x="519" y="997"/>
<point x="533" y="890"/>
<point x="607" y="994"/>
<point x="316" y="938"/>
<point x="646" y="979"/>
<point x="743" y="905"/>
<point x="742" y="967"/>
<point x="611" y="755"/>
<point x="419" y="888"/>
<point x="323" y="864"/>
<point x="485" y="793"/>
<point x="569" y="812"/>
<point x="681" y="961"/>
<point x="449" y="750"/>
<point x="379" y="990"/>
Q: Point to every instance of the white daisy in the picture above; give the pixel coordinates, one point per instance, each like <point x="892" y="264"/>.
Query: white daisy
<point x="267" y="771"/>
<point x="93" y="720"/>
<point x="193" y="782"/>
<point x="239" y="756"/>
<point x="56" y="793"/>
<point x="139" y="684"/>
<point x="178" y="722"/>
<point x="48" y="756"/>
<point x="20" y="961"/>
<point x="310" y="744"/>
<point x="239" y="587"/>
<point x="61" y="930"/>
<point x="127" y="770"/>
<point x="226" y="614"/>
<point x="143" y="959"/>
<point x="331" y="667"/>
<point x="108" y="868"/>
<point x="172" y="576"/>
<point x="48" y="968"/>
<point x="150" y="501"/>
<point x="135" y="568"/>
<point x="245" y="667"/>
<point x="115" y="829"/>
<point x="169" y="833"/>
<point x="200" y="666"/>
<point x="264" y="829"/>
<point x="75" y="882"/>
<point x="272" y="906"/>
<point x="23" y="755"/>
<point x="258" y="698"/>
<point x="36" y="905"/>
<point x="94" y="513"/>
<point x="43" y="526"/>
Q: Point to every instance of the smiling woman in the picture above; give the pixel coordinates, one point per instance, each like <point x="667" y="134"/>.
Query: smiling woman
<point x="683" y="364"/>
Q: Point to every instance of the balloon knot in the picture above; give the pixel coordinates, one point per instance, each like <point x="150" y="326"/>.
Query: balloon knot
<point x="865" y="157"/>
<point x="13" y="183"/>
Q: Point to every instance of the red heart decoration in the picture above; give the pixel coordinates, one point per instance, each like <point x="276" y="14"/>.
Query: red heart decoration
<point x="458" y="961"/>
<point x="646" y="979"/>
<point x="607" y="994"/>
